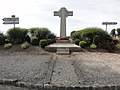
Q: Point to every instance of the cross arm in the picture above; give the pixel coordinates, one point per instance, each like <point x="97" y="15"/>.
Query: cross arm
<point x="56" y="13"/>
<point x="69" y="13"/>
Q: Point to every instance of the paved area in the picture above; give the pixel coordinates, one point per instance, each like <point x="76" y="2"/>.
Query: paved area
<point x="6" y="87"/>
<point x="77" y="69"/>
<point x="63" y="74"/>
<point x="27" y="68"/>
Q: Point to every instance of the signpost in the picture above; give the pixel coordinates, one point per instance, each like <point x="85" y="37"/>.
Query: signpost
<point x="108" y="23"/>
<point x="13" y="20"/>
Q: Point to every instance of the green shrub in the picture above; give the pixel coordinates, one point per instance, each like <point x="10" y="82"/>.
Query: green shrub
<point x="17" y="33"/>
<point x="118" y="31"/>
<point x="50" y="41"/>
<point x="88" y="34"/>
<point x="42" y="33"/>
<point x="93" y="46"/>
<point x="25" y="45"/>
<point x="76" y="41"/>
<point x="118" y="45"/>
<point x="113" y="34"/>
<point x="43" y="43"/>
<point x="18" y="41"/>
<point x="2" y="39"/>
<point x="83" y="44"/>
<point x="27" y="39"/>
<point x="96" y="40"/>
<point x="50" y="36"/>
<point x="9" y="45"/>
<point x="72" y="41"/>
<point x="34" y="41"/>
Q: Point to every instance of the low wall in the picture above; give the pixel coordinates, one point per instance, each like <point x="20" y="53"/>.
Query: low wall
<point x="15" y="83"/>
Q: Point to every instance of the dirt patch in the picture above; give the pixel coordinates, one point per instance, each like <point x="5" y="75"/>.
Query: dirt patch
<point x="16" y="49"/>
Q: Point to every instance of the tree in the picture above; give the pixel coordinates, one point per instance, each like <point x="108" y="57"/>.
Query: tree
<point x="113" y="33"/>
<point x="118" y="31"/>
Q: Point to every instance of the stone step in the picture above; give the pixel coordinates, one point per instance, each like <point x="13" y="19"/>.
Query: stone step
<point x="63" y="50"/>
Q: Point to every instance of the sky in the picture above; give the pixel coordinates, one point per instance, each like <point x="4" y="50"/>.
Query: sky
<point x="39" y="13"/>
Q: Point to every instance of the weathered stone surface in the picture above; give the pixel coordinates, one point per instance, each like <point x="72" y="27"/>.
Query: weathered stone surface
<point x="63" y="13"/>
<point x="72" y="47"/>
<point x="63" y="50"/>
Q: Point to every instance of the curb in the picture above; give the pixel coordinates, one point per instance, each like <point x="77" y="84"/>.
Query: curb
<point x="17" y="83"/>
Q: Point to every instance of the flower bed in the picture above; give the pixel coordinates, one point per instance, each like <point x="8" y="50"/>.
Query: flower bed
<point x="62" y="39"/>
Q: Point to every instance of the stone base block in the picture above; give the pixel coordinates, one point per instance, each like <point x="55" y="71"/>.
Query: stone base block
<point x="72" y="47"/>
<point x="62" y="41"/>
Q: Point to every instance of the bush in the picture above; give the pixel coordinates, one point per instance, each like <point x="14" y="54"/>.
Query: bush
<point x="27" y="39"/>
<point x="83" y="44"/>
<point x="2" y="39"/>
<point x="93" y="46"/>
<point x="51" y="36"/>
<point x="118" y="45"/>
<point x="18" y="41"/>
<point x="25" y="45"/>
<point x="17" y="34"/>
<point x="34" y="41"/>
<point x="50" y="41"/>
<point x="9" y="45"/>
<point x="76" y="41"/>
<point x="42" y="33"/>
<point x="113" y="34"/>
<point x="72" y="41"/>
<point x="88" y="34"/>
<point x="43" y="43"/>
<point x="96" y="40"/>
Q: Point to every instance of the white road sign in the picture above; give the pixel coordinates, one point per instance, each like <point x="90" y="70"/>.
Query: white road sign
<point x="109" y="23"/>
<point x="11" y="20"/>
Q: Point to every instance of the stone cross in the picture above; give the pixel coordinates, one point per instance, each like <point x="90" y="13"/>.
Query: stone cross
<point x="63" y="13"/>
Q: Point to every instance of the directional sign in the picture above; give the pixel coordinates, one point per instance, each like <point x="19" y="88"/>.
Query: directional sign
<point x="11" y="20"/>
<point x="109" y="23"/>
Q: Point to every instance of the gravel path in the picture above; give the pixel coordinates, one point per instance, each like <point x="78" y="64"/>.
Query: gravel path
<point x="3" y="87"/>
<point x="92" y="68"/>
<point x="27" y="68"/>
<point x="64" y="74"/>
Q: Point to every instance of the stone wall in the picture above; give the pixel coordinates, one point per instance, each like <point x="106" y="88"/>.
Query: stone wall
<point x="16" y="85"/>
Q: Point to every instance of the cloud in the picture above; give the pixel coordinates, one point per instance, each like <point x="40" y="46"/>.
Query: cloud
<point x="39" y="13"/>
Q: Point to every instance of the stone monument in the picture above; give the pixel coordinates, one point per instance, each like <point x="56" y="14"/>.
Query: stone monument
<point x="62" y="46"/>
<point x="63" y="13"/>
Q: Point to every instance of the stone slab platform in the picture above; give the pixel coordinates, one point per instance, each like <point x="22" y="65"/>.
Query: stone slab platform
<point x="72" y="47"/>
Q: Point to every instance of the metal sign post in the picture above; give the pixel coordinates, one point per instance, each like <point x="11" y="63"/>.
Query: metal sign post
<point x="13" y="16"/>
<point x="108" y="23"/>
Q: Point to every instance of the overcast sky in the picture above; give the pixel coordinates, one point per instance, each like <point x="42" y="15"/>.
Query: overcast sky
<point x="39" y="13"/>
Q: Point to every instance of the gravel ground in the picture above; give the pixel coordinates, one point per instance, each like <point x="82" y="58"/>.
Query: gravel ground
<point x="27" y="68"/>
<point x="99" y="68"/>
<point x="3" y="87"/>
<point x="31" y="65"/>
